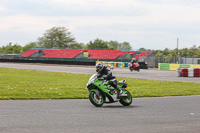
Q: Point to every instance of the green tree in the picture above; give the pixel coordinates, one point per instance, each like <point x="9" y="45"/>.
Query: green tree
<point x="191" y="52"/>
<point x="17" y="49"/>
<point x="76" y="46"/>
<point x="172" y="53"/>
<point x="56" y="37"/>
<point x="197" y="54"/>
<point x="2" y="49"/>
<point x="11" y="49"/>
<point x="113" y="45"/>
<point x="30" y="45"/>
<point x="125" y="46"/>
<point x="183" y="52"/>
<point x="166" y="51"/>
<point x="8" y="49"/>
<point x="142" y="49"/>
<point x="158" y="53"/>
<point x="97" y="44"/>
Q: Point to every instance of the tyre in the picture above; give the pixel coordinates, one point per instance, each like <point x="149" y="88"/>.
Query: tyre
<point x="98" y="102"/>
<point x="126" y="101"/>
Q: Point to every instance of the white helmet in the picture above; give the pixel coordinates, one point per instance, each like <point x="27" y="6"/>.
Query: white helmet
<point x="133" y="60"/>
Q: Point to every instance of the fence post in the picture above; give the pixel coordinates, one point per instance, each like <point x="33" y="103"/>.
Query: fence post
<point x="185" y="60"/>
<point x="180" y="59"/>
<point x="192" y="60"/>
<point x="169" y="61"/>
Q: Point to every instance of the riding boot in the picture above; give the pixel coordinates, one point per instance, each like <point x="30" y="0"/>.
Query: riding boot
<point x="119" y="91"/>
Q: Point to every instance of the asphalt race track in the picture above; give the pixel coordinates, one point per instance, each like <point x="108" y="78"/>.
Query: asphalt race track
<point x="145" y="115"/>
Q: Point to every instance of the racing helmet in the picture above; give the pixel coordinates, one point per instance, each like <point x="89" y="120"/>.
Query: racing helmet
<point x="133" y="60"/>
<point x="99" y="67"/>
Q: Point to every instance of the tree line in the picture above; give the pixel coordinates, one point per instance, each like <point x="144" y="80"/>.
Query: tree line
<point x="60" y="37"/>
<point x="194" y="51"/>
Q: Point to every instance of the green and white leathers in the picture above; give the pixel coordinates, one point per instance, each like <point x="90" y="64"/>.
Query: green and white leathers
<point x="100" y="92"/>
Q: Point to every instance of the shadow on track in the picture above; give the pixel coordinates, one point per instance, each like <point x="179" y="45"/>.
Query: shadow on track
<point x="118" y="106"/>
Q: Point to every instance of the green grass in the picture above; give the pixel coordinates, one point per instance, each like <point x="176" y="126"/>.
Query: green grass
<point x="31" y="84"/>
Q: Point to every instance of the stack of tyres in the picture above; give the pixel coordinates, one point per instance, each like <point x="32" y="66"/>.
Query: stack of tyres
<point x="119" y="64"/>
<point x="190" y="72"/>
<point x="105" y="64"/>
<point x="112" y="64"/>
<point x="115" y="64"/>
<point x="179" y="72"/>
<point x="184" y="72"/>
<point x="109" y="64"/>
<point x="125" y="64"/>
<point x="196" y="72"/>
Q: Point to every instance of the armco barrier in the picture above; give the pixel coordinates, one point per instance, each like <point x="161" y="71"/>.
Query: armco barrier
<point x="188" y="72"/>
<point x="194" y="66"/>
<point x="64" y="62"/>
<point x="184" y="66"/>
<point x="173" y="66"/>
<point x="163" y="66"/>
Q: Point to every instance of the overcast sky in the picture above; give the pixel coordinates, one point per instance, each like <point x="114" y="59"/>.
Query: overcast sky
<point x="152" y="24"/>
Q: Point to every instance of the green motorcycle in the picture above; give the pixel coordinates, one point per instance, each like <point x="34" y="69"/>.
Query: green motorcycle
<point x="101" y="91"/>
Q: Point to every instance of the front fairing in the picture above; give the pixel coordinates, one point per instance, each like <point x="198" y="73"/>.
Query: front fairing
<point x="92" y="79"/>
<point x="100" y="83"/>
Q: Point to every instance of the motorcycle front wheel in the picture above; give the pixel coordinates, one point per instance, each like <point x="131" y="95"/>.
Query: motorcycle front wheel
<point x="95" y="100"/>
<point x="126" y="101"/>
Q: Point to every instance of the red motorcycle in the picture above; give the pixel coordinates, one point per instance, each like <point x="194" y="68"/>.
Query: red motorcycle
<point x="134" y="66"/>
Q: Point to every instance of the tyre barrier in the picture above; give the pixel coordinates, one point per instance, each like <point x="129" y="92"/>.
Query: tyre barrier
<point x="113" y="64"/>
<point x="143" y="65"/>
<point x="188" y="72"/>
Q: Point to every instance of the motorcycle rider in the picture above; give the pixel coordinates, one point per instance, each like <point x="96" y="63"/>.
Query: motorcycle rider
<point x="133" y="61"/>
<point x="102" y="70"/>
<point x="135" y="65"/>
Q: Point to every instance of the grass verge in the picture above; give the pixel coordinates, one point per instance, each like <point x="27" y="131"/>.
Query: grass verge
<point x="31" y="84"/>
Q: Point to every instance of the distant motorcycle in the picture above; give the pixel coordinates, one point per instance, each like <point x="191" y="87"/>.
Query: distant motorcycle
<point x="134" y="66"/>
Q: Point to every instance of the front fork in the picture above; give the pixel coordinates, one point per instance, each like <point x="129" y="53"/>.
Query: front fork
<point x="97" y="92"/>
<point x="123" y="92"/>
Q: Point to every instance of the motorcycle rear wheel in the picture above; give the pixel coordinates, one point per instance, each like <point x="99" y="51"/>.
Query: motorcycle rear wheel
<point x="126" y="101"/>
<point x="98" y="102"/>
